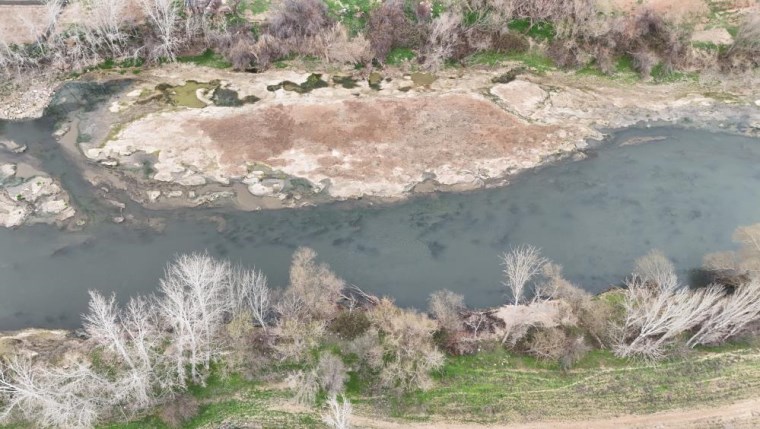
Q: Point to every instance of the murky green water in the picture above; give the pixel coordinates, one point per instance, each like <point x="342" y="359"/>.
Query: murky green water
<point x="684" y="195"/>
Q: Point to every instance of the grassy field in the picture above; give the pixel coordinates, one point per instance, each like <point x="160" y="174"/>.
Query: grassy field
<point x="497" y="386"/>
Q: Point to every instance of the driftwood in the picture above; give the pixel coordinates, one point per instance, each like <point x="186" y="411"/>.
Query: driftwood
<point x="353" y="298"/>
<point x="478" y="322"/>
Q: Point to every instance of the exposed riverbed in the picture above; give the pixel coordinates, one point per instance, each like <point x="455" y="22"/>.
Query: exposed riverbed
<point x="684" y="192"/>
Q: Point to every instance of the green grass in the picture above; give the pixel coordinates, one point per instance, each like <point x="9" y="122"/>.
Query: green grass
<point x="399" y="55"/>
<point x="660" y="74"/>
<point x="233" y="399"/>
<point x="352" y="13"/>
<point x="255" y="6"/>
<point x="498" y="386"/>
<point x="539" y="30"/>
<point x="208" y="58"/>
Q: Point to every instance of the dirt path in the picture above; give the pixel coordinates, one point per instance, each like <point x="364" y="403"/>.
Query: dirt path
<point x="743" y="414"/>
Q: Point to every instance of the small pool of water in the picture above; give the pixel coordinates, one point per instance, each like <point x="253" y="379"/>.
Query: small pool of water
<point x="684" y="194"/>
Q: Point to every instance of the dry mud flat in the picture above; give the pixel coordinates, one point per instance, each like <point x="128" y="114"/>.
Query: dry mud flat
<point x="459" y="132"/>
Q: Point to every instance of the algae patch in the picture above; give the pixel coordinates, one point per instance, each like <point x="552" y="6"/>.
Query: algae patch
<point x="313" y="82"/>
<point x="423" y="79"/>
<point x="225" y="97"/>
<point x="187" y="95"/>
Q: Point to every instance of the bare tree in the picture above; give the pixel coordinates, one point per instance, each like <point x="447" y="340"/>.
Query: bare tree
<point x="253" y="294"/>
<point x="52" y="397"/>
<point x="521" y="265"/>
<point x="730" y="316"/>
<point x="196" y="297"/>
<point x="164" y="17"/>
<point x="103" y="325"/>
<point x="338" y="415"/>
<point x="655" y="318"/>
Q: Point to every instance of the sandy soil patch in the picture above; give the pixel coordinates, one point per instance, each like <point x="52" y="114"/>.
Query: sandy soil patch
<point x="740" y="415"/>
<point x="21" y="24"/>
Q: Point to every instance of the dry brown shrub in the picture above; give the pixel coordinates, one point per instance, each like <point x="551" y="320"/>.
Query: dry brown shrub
<point x="388" y="28"/>
<point x="409" y="352"/>
<point x="741" y="264"/>
<point x="340" y="48"/>
<point x="296" y="338"/>
<point x="268" y="49"/>
<point x="745" y="51"/>
<point x="445" y="306"/>
<point x="350" y="324"/>
<point x="314" y="289"/>
<point x="367" y="348"/>
<point x="509" y="42"/>
<point x="299" y="19"/>
<point x="566" y="53"/>
<point x="305" y="385"/>
<point x="331" y="373"/>
<point x="548" y="343"/>
<point x="179" y="411"/>
<point x="644" y="61"/>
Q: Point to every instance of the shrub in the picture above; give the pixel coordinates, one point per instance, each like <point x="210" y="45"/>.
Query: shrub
<point x="314" y="289"/>
<point x="179" y="411"/>
<point x="388" y="27"/>
<point x="296" y="338"/>
<point x="299" y="19"/>
<point x="305" y="385"/>
<point x="445" y="306"/>
<point x="331" y="373"/>
<point x="745" y="51"/>
<point x="509" y="42"/>
<point x="548" y="343"/>
<point x="407" y="341"/>
<point x="350" y="324"/>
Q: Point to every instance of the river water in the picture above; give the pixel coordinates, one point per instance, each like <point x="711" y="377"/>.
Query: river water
<point x="683" y="194"/>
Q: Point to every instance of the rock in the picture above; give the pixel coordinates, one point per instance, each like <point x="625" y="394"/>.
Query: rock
<point x="110" y="163"/>
<point x="174" y="194"/>
<point x="192" y="180"/>
<point x="60" y="132"/>
<point x="259" y="190"/>
<point x="521" y="96"/>
<point x="19" y="149"/>
<point x="718" y="36"/>
<point x="53" y="206"/>
<point x="757" y="102"/>
<point x="7" y="171"/>
<point x="118" y="219"/>
<point x="13" y="212"/>
<point x="153" y="195"/>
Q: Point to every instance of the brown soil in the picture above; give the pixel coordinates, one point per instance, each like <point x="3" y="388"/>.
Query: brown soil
<point x="385" y="133"/>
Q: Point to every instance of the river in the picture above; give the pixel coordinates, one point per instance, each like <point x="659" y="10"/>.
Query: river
<point x="683" y="193"/>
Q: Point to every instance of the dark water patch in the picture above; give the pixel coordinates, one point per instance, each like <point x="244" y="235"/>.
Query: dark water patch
<point x="225" y="97"/>
<point x="346" y="82"/>
<point x="314" y="81"/>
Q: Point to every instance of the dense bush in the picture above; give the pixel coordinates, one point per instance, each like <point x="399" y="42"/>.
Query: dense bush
<point x="389" y="27"/>
<point x="299" y="19"/>
<point x="350" y="324"/>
